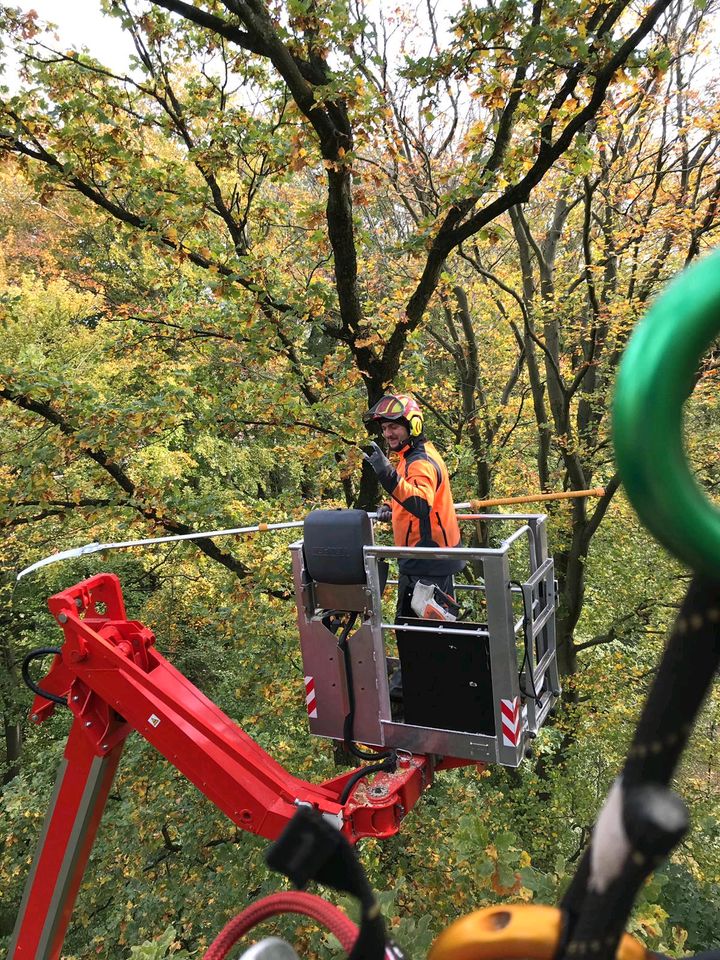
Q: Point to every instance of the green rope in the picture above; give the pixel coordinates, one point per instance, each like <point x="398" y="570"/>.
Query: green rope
<point x="656" y="376"/>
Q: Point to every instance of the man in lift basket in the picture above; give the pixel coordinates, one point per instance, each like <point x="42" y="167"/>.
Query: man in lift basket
<point x="421" y="508"/>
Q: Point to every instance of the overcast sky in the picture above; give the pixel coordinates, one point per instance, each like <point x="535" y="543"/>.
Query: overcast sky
<point x="82" y="24"/>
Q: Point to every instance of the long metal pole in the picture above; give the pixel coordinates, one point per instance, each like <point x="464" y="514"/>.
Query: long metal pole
<point x="288" y="525"/>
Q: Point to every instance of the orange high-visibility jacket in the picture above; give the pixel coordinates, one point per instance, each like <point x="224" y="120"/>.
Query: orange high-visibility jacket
<point x="423" y="514"/>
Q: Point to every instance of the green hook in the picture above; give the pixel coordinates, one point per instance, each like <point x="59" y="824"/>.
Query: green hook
<point x="656" y="376"/>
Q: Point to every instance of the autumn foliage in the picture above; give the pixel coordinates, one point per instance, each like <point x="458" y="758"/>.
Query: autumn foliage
<point x="212" y="263"/>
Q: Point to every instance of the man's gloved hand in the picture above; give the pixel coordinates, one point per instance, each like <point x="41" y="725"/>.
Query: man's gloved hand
<point x="383" y="513"/>
<point x="376" y="458"/>
<point x="385" y="471"/>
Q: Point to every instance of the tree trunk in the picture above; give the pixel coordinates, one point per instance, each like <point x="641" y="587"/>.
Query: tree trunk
<point x="9" y="687"/>
<point x="13" y="749"/>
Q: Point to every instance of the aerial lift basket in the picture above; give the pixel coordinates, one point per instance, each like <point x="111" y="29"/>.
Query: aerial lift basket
<point x="471" y="691"/>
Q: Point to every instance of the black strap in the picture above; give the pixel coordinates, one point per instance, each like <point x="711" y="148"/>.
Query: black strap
<point x="653" y="817"/>
<point x="308" y="849"/>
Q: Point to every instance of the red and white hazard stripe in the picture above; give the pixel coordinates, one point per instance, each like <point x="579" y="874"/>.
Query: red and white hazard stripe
<point x="511" y="721"/>
<point x="310" y="698"/>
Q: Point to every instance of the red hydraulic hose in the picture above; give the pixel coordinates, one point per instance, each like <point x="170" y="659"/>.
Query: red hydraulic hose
<point x="293" y="901"/>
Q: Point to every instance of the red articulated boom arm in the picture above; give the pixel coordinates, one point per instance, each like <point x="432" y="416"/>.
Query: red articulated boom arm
<point x="115" y="681"/>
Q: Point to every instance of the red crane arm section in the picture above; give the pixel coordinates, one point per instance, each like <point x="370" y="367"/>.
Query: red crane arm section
<point x="116" y="680"/>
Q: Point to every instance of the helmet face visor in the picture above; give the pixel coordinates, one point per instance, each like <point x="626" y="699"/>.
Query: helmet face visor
<point x="398" y="407"/>
<point x="387" y="408"/>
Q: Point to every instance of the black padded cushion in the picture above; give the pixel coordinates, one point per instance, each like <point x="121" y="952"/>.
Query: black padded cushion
<point x="333" y="545"/>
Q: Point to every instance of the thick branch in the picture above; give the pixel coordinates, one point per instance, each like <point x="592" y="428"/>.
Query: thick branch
<point x="122" y="214"/>
<point x="453" y="231"/>
<point x="118" y="475"/>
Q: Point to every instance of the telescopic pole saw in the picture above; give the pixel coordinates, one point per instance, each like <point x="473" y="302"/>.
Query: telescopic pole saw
<point x="74" y="552"/>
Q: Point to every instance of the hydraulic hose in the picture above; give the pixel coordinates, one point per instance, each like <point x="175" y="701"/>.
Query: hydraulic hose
<point x="38" y="654"/>
<point x="348" y="737"/>
<point x="293" y="901"/>
<point x="389" y="764"/>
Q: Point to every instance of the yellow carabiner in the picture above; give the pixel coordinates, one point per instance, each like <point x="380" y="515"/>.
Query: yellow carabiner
<point x="520" y="931"/>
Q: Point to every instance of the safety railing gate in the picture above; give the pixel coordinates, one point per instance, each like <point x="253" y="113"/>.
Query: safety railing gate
<point x="473" y="689"/>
